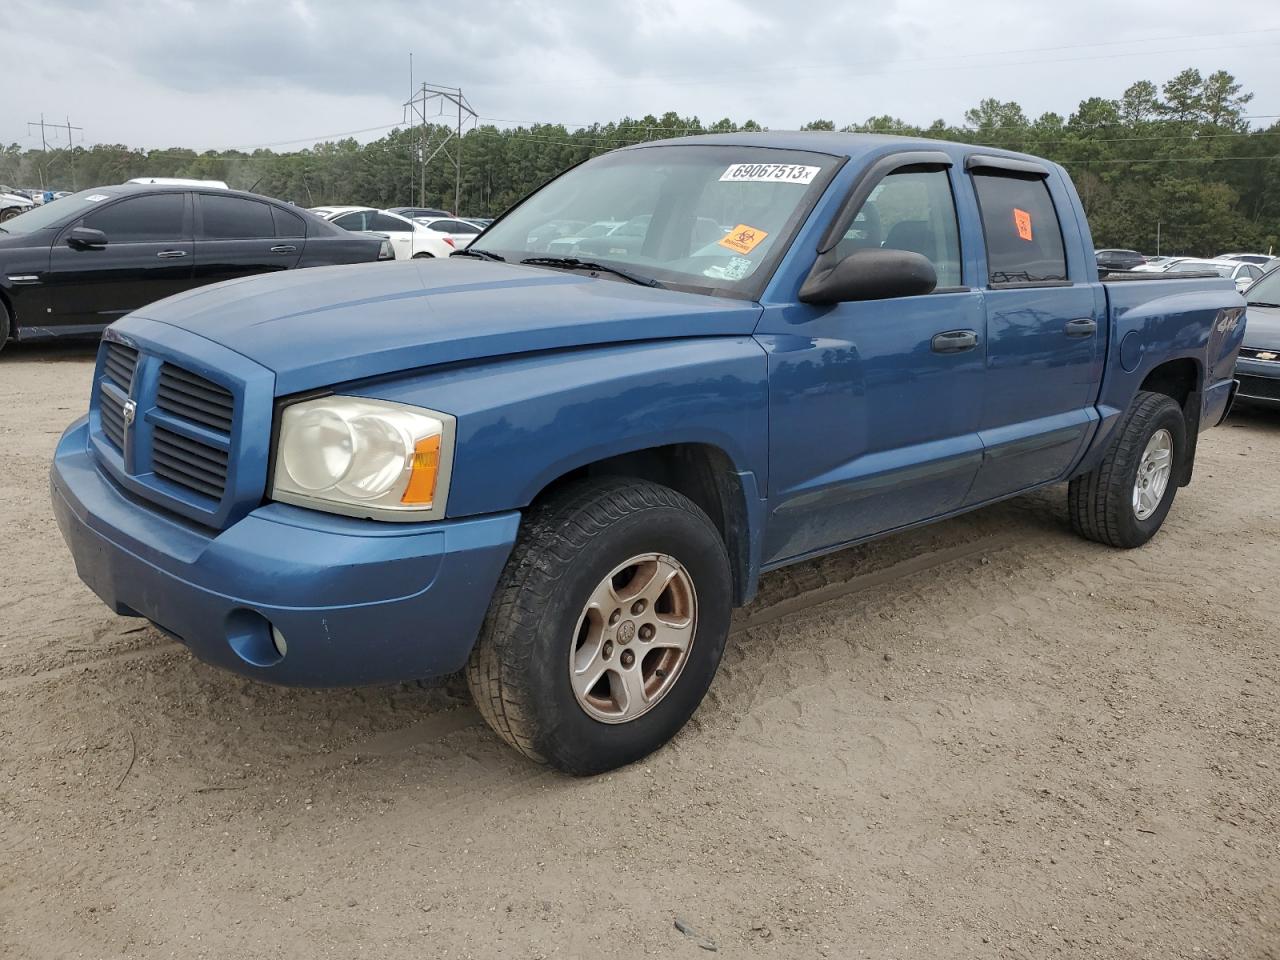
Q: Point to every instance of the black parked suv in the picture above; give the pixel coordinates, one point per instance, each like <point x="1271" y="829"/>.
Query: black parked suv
<point x="1111" y="260"/>
<point x="70" y="267"/>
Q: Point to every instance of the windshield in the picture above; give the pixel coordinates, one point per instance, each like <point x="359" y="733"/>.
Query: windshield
<point x="695" y="217"/>
<point x="1265" y="291"/>
<point x="55" y="212"/>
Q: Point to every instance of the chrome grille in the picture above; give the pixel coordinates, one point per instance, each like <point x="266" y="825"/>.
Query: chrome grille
<point x="192" y="397"/>
<point x="185" y="460"/>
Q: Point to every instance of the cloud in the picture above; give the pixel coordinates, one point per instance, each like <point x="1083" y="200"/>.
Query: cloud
<point x="243" y="72"/>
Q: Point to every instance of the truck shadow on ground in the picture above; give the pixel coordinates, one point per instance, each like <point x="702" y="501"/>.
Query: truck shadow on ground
<point x="197" y="729"/>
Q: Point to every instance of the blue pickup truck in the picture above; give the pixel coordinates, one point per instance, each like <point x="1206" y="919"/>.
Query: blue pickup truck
<point x="561" y="473"/>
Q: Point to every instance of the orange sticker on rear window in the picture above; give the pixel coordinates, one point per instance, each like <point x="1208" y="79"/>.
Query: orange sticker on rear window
<point x="1022" y="220"/>
<point x="743" y="239"/>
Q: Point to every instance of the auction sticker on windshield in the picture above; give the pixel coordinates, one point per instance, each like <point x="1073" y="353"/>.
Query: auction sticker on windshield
<point x="770" y="173"/>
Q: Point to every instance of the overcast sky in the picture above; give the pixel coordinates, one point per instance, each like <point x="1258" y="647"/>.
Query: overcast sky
<point x="243" y="73"/>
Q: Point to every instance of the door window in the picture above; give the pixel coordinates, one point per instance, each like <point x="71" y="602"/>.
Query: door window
<point x="234" y="218"/>
<point x="911" y="210"/>
<point x="357" y="220"/>
<point x="1024" y="238"/>
<point x="288" y="223"/>
<point x="385" y="224"/>
<point x="150" y="218"/>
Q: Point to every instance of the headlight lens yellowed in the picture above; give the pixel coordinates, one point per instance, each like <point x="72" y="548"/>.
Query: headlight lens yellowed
<point x="369" y="458"/>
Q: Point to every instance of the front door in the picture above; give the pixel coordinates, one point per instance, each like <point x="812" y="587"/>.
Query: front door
<point x="874" y="406"/>
<point x="1045" y="337"/>
<point x="148" y="256"/>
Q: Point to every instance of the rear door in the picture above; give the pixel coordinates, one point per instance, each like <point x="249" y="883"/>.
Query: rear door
<point x="399" y="232"/>
<point x="236" y="237"/>
<point x="874" y="405"/>
<point x="148" y="256"/>
<point x="1046" y="336"/>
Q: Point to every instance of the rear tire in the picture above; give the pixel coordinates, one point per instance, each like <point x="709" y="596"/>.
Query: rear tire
<point x="424" y="256"/>
<point x="577" y="601"/>
<point x="1124" y="501"/>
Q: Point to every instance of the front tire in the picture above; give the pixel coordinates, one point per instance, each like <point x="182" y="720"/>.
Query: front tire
<point x="5" y="325"/>
<point x="1124" y="501"/>
<point x="424" y="256"/>
<point x="606" y="628"/>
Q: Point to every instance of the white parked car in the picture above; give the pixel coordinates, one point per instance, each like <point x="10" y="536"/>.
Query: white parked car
<point x="1258" y="259"/>
<point x="460" y="231"/>
<point x="13" y="203"/>
<point x="1242" y="273"/>
<point x="408" y="237"/>
<point x="328" y="213"/>
<point x="181" y="182"/>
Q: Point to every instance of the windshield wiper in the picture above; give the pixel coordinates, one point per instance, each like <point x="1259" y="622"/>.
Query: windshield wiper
<point x="1262" y="303"/>
<point x="573" y="263"/>
<point x="478" y="254"/>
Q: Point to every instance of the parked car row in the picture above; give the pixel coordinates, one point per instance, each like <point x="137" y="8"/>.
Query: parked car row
<point x="425" y="234"/>
<point x="72" y="267"/>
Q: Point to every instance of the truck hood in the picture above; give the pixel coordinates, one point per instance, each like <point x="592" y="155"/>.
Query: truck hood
<point x="327" y="325"/>
<point x="1262" y="328"/>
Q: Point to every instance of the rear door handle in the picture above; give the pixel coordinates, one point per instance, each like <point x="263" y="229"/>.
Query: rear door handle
<point x="171" y="254"/>
<point x="954" y="341"/>
<point x="1084" y="327"/>
<point x="284" y="248"/>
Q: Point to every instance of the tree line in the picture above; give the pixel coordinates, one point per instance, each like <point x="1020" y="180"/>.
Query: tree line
<point x="1182" y="163"/>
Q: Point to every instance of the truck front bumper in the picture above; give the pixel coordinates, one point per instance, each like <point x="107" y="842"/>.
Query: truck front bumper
<point x="286" y="595"/>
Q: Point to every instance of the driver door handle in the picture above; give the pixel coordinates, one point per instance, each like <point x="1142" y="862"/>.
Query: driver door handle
<point x="1084" y="327"/>
<point x="954" y="341"/>
<point x="171" y="254"/>
<point x="283" y="248"/>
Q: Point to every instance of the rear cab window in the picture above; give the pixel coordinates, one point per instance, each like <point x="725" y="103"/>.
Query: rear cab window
<point x="1021" y="229"/>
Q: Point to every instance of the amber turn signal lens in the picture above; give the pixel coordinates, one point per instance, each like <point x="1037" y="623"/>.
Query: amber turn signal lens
<point x="423" y="471"/>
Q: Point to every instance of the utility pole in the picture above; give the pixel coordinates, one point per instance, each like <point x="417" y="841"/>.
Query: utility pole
<point x="436" y="139"/>
<point x="44" y="144"/>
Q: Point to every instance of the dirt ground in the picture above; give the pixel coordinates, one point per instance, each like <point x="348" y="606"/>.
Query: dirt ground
<point x="983" y="739"/>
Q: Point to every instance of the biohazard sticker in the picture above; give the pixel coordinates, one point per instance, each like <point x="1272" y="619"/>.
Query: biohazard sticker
<point x="1022" y="220"/>
<point x="743" y="239"/>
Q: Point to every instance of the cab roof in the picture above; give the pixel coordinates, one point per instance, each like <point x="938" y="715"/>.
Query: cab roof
<point x="855" y="146"/>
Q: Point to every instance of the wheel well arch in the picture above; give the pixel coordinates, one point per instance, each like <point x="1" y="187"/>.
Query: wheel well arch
<point x="6" y="302"/>
<point x="1180" y="379"/>
<point x="702" y="472"/>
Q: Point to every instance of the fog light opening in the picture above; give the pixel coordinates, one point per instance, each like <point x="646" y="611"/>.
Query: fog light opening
<point x="254" y="639"/>
<point x="281" y="644"/>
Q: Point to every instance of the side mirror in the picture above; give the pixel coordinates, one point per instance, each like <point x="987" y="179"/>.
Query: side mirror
<point x="870" y="275"/>
<point x="86" y="238"/>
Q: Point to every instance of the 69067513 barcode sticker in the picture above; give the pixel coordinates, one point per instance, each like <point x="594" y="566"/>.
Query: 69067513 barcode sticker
<point x="770" y="173"/>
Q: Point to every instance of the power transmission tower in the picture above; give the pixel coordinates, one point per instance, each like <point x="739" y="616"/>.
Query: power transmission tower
<point x="44" y="144"/>
<point x="427" y="109"/>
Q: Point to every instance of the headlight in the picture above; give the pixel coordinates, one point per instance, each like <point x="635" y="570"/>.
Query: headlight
<point x="364" y="458"/>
